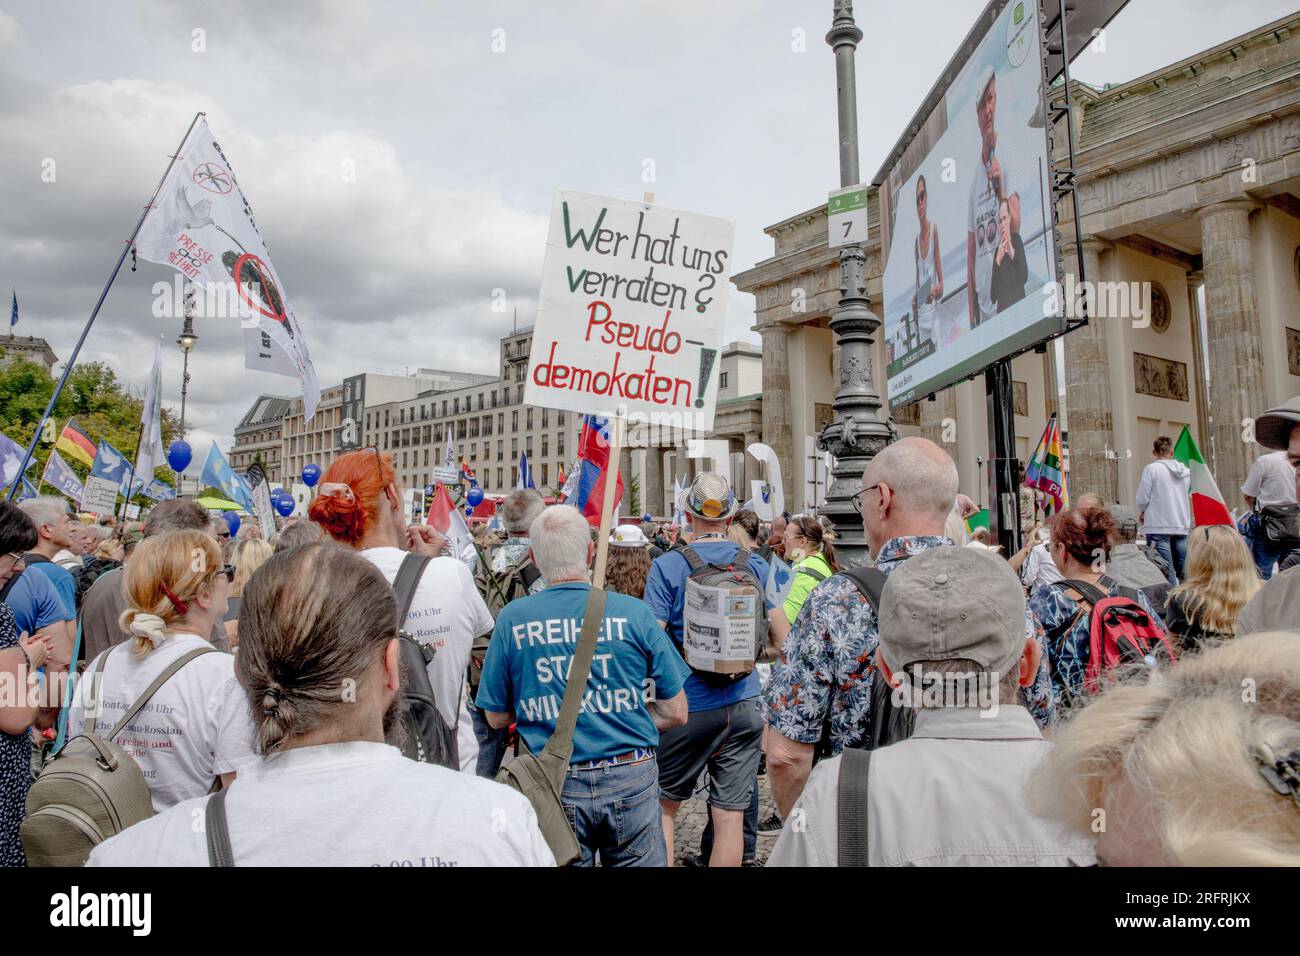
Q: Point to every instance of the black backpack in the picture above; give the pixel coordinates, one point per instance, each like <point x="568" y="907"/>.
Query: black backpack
<point x="497" y="591"/>
<point x="890" y="722"/>
<point x="424" y="734"/>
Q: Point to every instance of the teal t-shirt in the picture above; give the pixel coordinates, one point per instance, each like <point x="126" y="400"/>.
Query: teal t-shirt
<point x="527" y="667"/>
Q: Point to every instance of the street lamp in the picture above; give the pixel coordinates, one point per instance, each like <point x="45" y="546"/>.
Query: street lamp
<point x="186" y="342"/>
<point x="859" y="432"/>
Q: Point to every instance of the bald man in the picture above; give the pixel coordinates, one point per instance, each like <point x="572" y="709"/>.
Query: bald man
<point x="825" y="677"/>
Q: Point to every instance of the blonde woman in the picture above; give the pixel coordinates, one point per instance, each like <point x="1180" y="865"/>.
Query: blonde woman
<point x="196" y="726"/>
<point x="1187" y="769"/>
<point x="1220" y="579"/>
<point x="249" y="555"/>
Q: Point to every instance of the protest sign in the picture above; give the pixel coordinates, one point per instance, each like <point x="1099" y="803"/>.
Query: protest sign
<point x="100" y="496"/>
<point x="631" y="312"/>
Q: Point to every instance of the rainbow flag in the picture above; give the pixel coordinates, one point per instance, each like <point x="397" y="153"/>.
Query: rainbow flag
<point x="76" y="444"/>
<point x="1208" y="506"/>
<point x="1044" y="472"/>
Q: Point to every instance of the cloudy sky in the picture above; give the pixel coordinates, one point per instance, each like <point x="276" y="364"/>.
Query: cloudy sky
<point x="460" y="119"/>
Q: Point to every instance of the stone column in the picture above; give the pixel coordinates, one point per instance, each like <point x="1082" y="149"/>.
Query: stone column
<point x="654" y="480"/>
<point x="777" y="416"/>
<point x="1087" y="384"/>
<point x="625" y="469"/>
<point x="1235" y="338"/>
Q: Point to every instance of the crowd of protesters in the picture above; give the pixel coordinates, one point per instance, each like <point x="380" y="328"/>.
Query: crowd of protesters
<point x="999" y="701"/>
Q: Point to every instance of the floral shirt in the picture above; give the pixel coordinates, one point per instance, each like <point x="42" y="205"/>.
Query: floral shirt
<point x="827" y="661"/>
<point x="1065" y="644"/>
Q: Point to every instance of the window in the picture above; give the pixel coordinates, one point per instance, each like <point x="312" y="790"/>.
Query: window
<point x="528" y="446"/>
<point x="530" y="419"/>
<point x="521" y="388"/>
<point x="499" y="481"/>
<point x="501" y="449"/>
<point x="722" y="380"/>
<point x="404" y="459"/>
<point x="559" y="418"/>
<point x="385" y="418"/>
<point x="494" y="398"/>
<point x="401" y="416"/>
<point x="426" y="434"/>
<point x="514" y="421"/>
<point x="544" y="417"/>
<point x="501" y="422"/>
<point x="514" y="449"/>
<point x="544" y="437"/>
<point x="480" y="401"/>
<point x="559" y="443"/>
<point x="460" y="428"/>
<point x="426" y="459"/>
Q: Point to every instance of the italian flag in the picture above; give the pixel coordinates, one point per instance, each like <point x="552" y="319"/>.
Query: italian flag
<point x="1208" y="506"/>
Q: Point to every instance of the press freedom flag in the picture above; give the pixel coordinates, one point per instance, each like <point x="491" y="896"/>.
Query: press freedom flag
<point x="202" y="225"/>
<point x="59" y="474"/>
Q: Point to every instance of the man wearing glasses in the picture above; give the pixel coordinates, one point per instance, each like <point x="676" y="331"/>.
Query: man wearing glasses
<point x="819" y="696"/>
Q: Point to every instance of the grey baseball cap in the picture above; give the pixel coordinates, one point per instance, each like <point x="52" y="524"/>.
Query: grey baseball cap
<point x="949" y="603"/>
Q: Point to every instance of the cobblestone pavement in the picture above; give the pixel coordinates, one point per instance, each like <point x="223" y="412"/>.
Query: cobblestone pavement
<point x="693" y="815"/>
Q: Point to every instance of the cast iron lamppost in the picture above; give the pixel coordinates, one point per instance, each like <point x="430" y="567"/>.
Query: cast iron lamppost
<point x="186" y="342"/>
<point x="858" y="433"/>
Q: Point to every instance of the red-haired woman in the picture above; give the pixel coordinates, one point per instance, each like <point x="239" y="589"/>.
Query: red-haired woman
<point x="360" y="505"/>
<point x="1081" y="539"/>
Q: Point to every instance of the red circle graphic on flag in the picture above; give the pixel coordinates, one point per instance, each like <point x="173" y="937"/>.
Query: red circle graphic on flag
<point x="213" y="178"/>
<point x="250" y="270"/>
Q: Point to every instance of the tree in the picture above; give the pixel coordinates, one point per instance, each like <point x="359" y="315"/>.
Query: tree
<point x="103" y="407"/>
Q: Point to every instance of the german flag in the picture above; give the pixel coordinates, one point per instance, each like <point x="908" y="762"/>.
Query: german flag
<point x="76" y="444"/>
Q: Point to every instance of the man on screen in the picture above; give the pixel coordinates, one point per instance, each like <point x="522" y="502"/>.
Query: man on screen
<point x="990" y="188"/>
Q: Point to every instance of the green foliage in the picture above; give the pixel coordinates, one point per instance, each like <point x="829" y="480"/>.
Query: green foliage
<point x="634" y="492"/>
<point x="103" y="407"/>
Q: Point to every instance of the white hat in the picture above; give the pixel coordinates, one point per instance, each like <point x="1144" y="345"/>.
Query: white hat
<point x="629" y="536"/>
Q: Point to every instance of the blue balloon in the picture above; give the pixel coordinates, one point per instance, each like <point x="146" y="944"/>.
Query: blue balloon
<point x="469" y="510"/>
<point x="277" y="494"/>
<point x="285" y="505"/>
<point x="232" y="522"/>
<point x="646" y="516"/>
<point x="179" y="455"/>
<point x="475" y="496"/>
<point x="310" y="475"/>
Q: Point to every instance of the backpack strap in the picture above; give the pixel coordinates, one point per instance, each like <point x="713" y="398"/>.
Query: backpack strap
<point x="62" y="736"/>
<point x="152" y="689"/>
<point x="870" y="580"/>
<point x="853" y="812"/>
<point x="218" y="830"/>
<point x="561" y="743"/>
<point x="529" y="572"/>
<point x="696" y="563"/>
<point x="407" y="580"/>
<point x="811" y="572"/>
<point x="1090" y="592"/>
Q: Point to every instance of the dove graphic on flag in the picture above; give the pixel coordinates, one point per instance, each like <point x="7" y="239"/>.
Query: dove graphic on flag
<point x="110" y="464"/>
<point x="218" y="474"/>
<point x="11" y="460"/>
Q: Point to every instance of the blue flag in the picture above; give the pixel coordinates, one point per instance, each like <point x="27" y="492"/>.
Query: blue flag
<point x="59" y="475"/>
<point x="218" y="474"/>
<point x="13" y="316"/>
<point x="160" y="491"/>
<point x="11" y="459"/>
<point x="525" y="474"/>
<point x="110" y="464"/>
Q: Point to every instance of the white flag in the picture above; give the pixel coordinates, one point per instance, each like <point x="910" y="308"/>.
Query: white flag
<point x="151" y="449"/>
<point x="202" y="225"/>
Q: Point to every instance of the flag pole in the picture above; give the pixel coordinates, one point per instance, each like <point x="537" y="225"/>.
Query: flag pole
<point x="112" y="277"/>
<point x="607" y="503"/>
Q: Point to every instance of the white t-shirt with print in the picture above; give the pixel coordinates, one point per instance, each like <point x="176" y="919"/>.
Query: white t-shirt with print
<point x="1272" y="480"/>
<point x="195" y="727"/>
<point x="359" y="803"/>
<point x="982" y="221"/>
<point x="447" y="613"/>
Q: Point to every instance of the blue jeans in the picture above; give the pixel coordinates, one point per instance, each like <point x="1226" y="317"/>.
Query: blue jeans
<point x="491" y="744"/>
<point x="614" y="812"/>
<point x="1173" y="548"/>
<point x="1265" y="552"/>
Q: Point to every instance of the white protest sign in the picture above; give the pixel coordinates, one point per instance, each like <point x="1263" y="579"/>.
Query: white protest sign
<point x="846" y="216"/>
<point x="769" y="496"/>
<point x="101" y="495"/>
<point x="631" y="312"/>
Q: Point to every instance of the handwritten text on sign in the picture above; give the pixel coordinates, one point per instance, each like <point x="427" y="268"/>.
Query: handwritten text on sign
<point x="631" y="313"/>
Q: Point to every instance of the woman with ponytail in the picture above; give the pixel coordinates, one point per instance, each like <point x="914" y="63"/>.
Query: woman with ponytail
<point x="359" y="505"/>
<point x="809" y="551"/>
<point x="321" y="675"/>
<point x="196" y="727"/>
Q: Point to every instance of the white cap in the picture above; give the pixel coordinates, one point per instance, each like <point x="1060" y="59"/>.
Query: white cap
<point x="629" y="536"/>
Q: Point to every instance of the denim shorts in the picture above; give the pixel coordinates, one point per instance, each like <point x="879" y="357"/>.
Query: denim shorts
<point x="727" y="741"/>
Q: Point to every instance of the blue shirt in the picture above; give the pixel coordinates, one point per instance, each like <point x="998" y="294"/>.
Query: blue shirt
<point x="665" y="592"/>
<point x="61" y="578"/>
<point x="35" y="603"/>
<point x="527" y="669"/>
